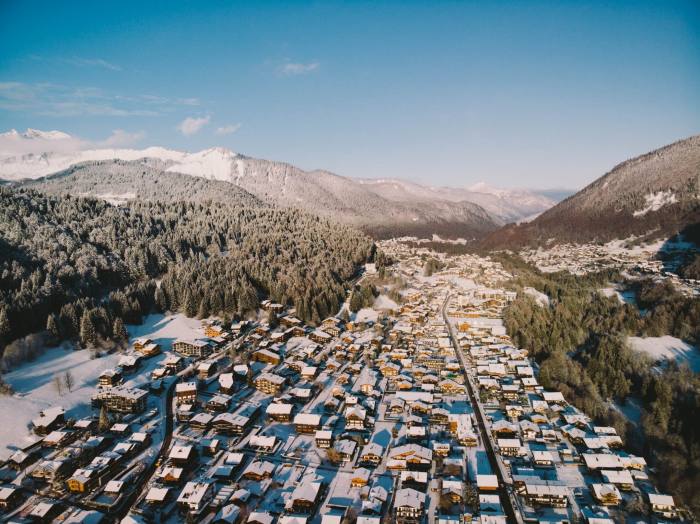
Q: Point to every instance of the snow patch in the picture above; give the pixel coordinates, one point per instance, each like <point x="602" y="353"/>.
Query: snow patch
<point x="540" y="298"/>
<point x="655" y="201"/>
<point x="667" y="348"/>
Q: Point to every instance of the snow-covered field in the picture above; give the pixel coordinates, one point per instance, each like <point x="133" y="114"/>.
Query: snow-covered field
<point x="35" y="389"/>
<point x="667" y="348"/>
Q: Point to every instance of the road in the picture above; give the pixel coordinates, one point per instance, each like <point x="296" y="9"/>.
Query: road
<point x="506" y="499"/>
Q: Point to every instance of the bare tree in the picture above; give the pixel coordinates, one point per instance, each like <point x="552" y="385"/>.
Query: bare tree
<point x="58" y="384"/>
<point x="68" y="381"/>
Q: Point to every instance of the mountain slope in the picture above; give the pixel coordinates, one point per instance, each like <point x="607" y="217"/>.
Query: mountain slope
<point x="119" y="181"/>
<point x="376" y="206"/>
<point x="654" y="195"/>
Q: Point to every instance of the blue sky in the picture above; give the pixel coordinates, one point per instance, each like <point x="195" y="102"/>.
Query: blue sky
<point x="530" y="94"/>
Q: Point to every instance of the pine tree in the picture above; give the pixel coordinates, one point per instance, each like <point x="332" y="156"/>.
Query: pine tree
<point x="104" y="423"/>
<point x="52" y="328"/>
<point x="119" y="331"/>
<point x="5" y="328"/>
<point x="88" y="334"/>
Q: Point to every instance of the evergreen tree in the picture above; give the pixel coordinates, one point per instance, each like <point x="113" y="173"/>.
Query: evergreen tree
<point x="104" y="422"/>
<point x="53" y="329"/>
<point x="5" y="328"/>
<point x="88" y="334"/>
<point x="119" y="331"/>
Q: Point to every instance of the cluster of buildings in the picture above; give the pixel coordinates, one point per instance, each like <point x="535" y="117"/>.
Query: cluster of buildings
<point x="423" y="413"/>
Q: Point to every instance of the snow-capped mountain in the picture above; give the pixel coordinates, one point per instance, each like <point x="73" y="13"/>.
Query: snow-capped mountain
<point x="362" y="202"/>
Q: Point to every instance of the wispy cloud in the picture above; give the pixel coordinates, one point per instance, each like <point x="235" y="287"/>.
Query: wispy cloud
<point x="121" y="138"/>
<point x="58" y="100"/>
<point x="91" y="62"/>
<point x="298" y="68"/>
<point x="78" y="61"/>
<point x="192" y="125"/>
<point x="228" y="130"/>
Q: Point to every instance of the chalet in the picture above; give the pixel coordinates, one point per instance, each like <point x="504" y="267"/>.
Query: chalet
<point x="259" y="470"/>
<point x="262" y="443"/>
<point x="345" y="449"/>
<point x="206" y="370"/>
<point x="157" y="496"/>
<point x="260" y="517"/>
<point x="409" y="506"/>
<point x="170" y="475"/>
<point x="82" y="481"/>
<point x="545" y="493"/>
<point x="267" y="356"/>
<point x="543" y="459"/>
<point x="10" y="498"/>
<point x="323" y="438"/>
<point x="186" y="392"/>
<point x="606" y="494"/>
<point x="412" y="456"/>
<point x="219" y="402"/>
<point x="307" y="423"/>
<point x="360" y="478"/>
<point x="181" y="455"/>
<point x="620" y="478"/>
<point x="45" y="511"/>
<point x="110" y="377"/>
<point x="355" y="417"/>
<point x="320" y="337"/>
<point x="269" y="383"/>
<point x="129" y="363"/>
<point x="141" y="343"/>
<point x="305" y="497"/>
<point x="663" y="505"/>
<point x="371" y="454"/>
<point x="280" y="411"/>
<point x="174" y="364"/>
<point x="122" y="399"/>
<point x="231" y="424"/>
<point x="201" y="421"/>
<point x="49" y="420"/>
<point x="192" y="348"/>
<point x="195" y="496"/>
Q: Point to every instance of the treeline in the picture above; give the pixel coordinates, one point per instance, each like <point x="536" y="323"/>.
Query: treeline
<point x="579" y="342"/>
<point x="71" y="259"/>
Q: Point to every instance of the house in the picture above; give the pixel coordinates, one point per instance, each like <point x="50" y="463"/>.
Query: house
<point x="360" y="477"/>
<point x="307" y="422"/>
<point x="663" y="505"/>
<point x="10" y="498"/>
<point x="122" y="399"/>
<point x="45" y="511"/>
<point x="269" y="383"/>
<point x="150" y="349"/>
<point x="324" y="438"/>
<point x="82" y="481"/>
<point x="345" y="450"/>
<point x="355" y="417"/>
<point x="259" y="470"/>
<point x="412" y="456"/>
<point x="371" y="454"/>
<point x="195" y="496"/>
<point x="49" y="420"/>
<point x="262" y="443"/>
<point x="409" y="506"/>
<point x="320" y="337"/>
<point x="186" y="392"/>
<point x="543" y="459"/>
<point x="174" y="364"/>
<point x="206" y="370"/>
<point x="157" y="496"/>
<point x="267" y="356"/>
<point x="219" y="402"/>
<point x="606" y="494"/>
<point x="280" y="411"/>
<point x="545" y="493"/>
<point x="201" y="421"/>
<point x="231" y="424"/>
<point x="192" y="348"/>
<point x="305" y="497"/>
<point x="182" y="455"/>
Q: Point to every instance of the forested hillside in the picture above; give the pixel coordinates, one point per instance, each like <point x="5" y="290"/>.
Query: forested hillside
<point x="83" y="267"/>
<point x="580" y="343"/>
<point x="144" y="179"/>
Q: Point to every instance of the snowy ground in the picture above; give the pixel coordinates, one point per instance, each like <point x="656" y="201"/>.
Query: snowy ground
<point x="366" y="315"/>
<point x="540" y="298"/>
<point x="667" y="348"/>
<point x="165" y="329"/>
<point x="35" y="391"/>
<point x="384" y="302"/>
